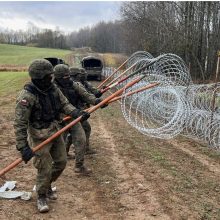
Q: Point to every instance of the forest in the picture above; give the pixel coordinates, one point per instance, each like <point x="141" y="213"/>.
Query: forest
<point x="190" y="29"/>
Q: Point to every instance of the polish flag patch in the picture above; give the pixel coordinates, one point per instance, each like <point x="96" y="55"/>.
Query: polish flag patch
<point x="24" y="102"/>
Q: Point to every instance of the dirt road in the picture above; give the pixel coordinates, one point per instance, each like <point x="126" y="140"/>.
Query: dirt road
<point x="134" y="176"/>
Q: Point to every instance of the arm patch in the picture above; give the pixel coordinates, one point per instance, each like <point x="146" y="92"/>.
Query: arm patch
<point x="24" y="102"/>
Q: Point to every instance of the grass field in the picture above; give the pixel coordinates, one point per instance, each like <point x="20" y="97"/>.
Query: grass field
<point x="22" y="55"/>
<point x="17" y="58"/>
<point x="12" y="82"/>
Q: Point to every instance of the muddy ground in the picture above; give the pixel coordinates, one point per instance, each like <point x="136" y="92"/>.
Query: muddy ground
<point x="134" y="176"/>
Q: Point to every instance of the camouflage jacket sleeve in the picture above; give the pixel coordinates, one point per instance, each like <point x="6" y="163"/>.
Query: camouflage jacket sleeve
<point x="87" y="97"/>
<point x="24" y="104"/>
<point x="91" y="88"/>
<point x="67" y="108"/>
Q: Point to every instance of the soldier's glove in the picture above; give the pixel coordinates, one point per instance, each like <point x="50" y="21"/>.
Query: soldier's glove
<point x="75" y="113"/>
<point x="85" y="115"/>
<point x="62" y="123"/>
<point x="97" y="101"/>
<point x="98" y="94"/>
<point x="26" y="153"/>
<point x="100" y="100"/>
<point x="104" y="105"/>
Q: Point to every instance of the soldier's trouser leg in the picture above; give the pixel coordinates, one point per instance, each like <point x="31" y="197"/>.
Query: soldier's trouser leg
<point x="50" y="162"/>
<point x="87" y="129"/>
<point x="58" y="153"/>
<point x="68" y="141"/>
<point x="78" y="139"/>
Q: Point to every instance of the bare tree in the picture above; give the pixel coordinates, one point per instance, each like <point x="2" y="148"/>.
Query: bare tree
<point x="190" y="29"/>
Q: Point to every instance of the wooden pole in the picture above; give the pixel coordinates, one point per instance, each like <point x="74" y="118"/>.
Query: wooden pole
<point x="102" y="83"/>
<point x="119" y="97"/>
<point x="123" y="73"/>
<point x="134" y="92"/>
<point x="128" y="76"/>
<point x="58" y="133"/>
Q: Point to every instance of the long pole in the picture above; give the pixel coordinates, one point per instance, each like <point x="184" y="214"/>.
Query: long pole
<point x="134" y="92"/>
<point x="102" y="83"/>
<point x="123" y="73"/>
<point x="58" y="133"/>
<point x="128" y="76"/>
<point x="119" y="97"/>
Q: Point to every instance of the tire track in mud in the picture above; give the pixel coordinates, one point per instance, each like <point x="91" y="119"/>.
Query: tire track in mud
<point x="203" y="159"/>
<point x="136" y="194"/>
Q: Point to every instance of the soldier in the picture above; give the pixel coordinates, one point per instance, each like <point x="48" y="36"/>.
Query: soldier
<point x="37" y="116"/>
<point x="80" y="75"/>
<point x="76" y="94"/>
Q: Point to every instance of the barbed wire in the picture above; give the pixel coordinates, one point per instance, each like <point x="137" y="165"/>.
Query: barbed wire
<point x="176" y="106"/>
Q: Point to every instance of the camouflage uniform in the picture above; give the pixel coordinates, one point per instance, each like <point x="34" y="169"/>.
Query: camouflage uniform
<point x="88" y="85"/>
<point x="37" y="116"/>
<point x="77" y="74"/>
<point x="76" y="94"/>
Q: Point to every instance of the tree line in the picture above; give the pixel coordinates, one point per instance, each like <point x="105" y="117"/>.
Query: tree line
<point x="188" y="29"/>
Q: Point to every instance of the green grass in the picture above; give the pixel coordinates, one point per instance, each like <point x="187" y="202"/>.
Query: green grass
<point x="12" y="82"/>
<point x="22" y="55"/>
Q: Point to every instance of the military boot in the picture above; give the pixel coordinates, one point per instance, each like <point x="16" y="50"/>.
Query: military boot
<point x="71" y="156"/>
<point x="51" y="194"/>
<point x="42" y="204"/>
<point x="82" y="170"/>
<point x="90" y="151"/>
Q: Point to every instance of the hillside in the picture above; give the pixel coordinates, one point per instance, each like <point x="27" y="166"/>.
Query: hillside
<point x="21" y="56"/>
<point x="17" y="58"/>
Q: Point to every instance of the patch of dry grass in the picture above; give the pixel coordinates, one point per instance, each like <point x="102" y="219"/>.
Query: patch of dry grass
<point x="113" y="60"/>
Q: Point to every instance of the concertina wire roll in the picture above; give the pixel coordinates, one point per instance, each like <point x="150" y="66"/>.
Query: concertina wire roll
<point x="176" y="106"/>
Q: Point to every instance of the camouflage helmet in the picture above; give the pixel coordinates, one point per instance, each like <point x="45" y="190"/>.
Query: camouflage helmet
<point x="74" y="71"/>
<point x="61" y="70"/>
<point x="40" y="68"/>
<point x="83" y="71"/>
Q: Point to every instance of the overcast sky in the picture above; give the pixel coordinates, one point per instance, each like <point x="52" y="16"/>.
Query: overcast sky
<point x="68" y="16"/>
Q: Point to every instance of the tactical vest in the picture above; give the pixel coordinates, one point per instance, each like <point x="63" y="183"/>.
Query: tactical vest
<point x="80" y="103"/>
<point x="47" y="108"/>
<point x="86" y="85"/>
<point x="69" y="93"/>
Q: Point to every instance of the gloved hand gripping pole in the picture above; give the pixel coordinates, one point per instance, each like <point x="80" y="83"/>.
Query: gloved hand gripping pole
<point x="58" y="133"/>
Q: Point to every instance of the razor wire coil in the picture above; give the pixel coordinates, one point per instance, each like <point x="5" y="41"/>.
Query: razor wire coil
<point x="176" y="106"/>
